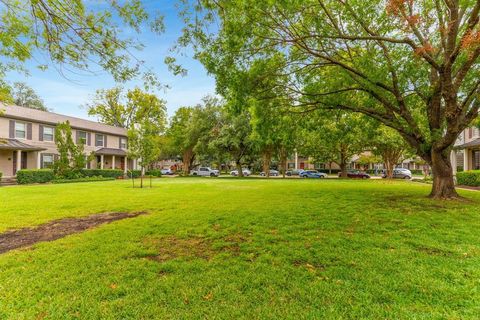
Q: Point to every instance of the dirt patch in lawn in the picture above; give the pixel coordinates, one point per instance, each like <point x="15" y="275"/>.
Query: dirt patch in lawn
<point x="57" y="229"/>
<point x="171" y="247"/>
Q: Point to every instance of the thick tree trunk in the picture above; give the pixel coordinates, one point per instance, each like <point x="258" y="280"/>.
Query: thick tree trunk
<point x="443" y="182"/>
<point x="343" y="169"/>
<point x="283" y="161"/>
<point x="187" y="161"/>
<point x="343" y="165"/>
<point x="239" y="168"/>
<point x="267" y="159"/>
<point x="389" y="167"/>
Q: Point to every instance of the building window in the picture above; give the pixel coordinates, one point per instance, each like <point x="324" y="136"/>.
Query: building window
<point x="123" y="143"/>
<point x="81" y="137"/>
<point x="48" y="133"/>
<point x="47" y="161"/>
<point x="99" y="139"/>
<point x="20" y="130"/>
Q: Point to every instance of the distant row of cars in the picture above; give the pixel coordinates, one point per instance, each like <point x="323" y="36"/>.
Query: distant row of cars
<point x="398" y="173"/>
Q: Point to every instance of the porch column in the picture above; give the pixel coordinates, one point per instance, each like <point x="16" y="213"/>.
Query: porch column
<point x="453" y="160"/>
<point x="101" y="161"/>
<point x="19" y="160"/>
<point x="466" y="160"/>
<point x="125" y="165"/>
<point x="113" y="162"/>
<point x="39" y="160"/>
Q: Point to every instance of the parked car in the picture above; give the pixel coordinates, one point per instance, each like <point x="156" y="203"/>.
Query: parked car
<point x="312" y="174"/>
<point x="273" y="173"/>
<point x="399" y="173"/>
<point x="167" y="172"/>
<point x="245" y="171"/>
<point x="356" y="174"/>
<point x="205" y="172"/>
<point x="294" y="172"/>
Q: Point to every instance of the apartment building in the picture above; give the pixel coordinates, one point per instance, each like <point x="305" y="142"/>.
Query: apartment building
<point x="466" y="154"/>
<point x="27" y="140"/>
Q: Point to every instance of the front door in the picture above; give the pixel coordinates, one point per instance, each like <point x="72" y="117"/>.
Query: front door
<point x="23" y="165"/>
<point x="122" y="163"/>
<point x="476" y="159"/>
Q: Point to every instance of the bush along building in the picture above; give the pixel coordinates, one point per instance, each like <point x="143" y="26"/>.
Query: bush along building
<point x="27" y="141"/>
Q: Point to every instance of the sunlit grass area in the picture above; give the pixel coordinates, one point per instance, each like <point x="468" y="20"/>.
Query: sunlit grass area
<point x="244" y="248"/>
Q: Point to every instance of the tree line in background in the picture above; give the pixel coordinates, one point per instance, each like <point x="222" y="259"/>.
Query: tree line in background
<point x="245" y="131"/>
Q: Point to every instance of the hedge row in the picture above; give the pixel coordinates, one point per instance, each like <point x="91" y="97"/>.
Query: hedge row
<point x="47" y="175"/>
<point x="469" y="178"/>
<point x="85" y="179"/>
<point x="106" y="173"/>
<point x="154" y="173"/>
<point x="35" y="176"/>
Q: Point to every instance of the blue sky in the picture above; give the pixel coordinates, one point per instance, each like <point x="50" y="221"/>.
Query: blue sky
<point x="68" y="97"/>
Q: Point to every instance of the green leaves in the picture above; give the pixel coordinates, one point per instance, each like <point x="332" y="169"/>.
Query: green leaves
<point x="76" y="34"/>
<point x="125" y="109"/>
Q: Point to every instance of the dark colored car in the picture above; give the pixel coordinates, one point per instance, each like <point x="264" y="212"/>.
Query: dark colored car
<point x="356" y="174"/>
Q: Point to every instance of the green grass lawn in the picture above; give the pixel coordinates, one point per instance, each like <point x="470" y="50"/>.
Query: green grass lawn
<point x="251" y="249"/>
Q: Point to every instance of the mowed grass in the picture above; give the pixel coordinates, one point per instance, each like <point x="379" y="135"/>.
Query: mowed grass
<point x="245" y="249"/>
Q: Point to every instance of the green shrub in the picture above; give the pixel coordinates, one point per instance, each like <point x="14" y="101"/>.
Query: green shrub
<point x="84" y="179"/>
<point x="34" y="176"/>
<point x="1" y="174"/>
<point x="154" y="173"/>
<point x="469" y="178"/>
<point x="134" y="173"/>
<point x="106" y="173"/>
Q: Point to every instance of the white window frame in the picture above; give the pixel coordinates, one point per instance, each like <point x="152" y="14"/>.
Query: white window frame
<point x="96" y="140"/>
<point x="123" y="143"/>
<point x="24" y="130"/>
<point x="80" y="138"/>
<point x="42" y="165"/>
<point x="53" y="134"/>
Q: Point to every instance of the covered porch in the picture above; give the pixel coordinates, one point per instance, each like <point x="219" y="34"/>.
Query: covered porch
<point x="111" y="158"/>
<point x="470" y="154"/>
<point x="16" y="155"/>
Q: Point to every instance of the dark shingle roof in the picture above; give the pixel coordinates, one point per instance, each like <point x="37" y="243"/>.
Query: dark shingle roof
<point x="14" y="144"/>
<point x="111" y="152"/>
<point x="473" y="143"/>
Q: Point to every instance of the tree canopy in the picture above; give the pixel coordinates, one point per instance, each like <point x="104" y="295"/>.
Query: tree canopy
<point x="411" y="65"/>
<point x="117" y="108"/>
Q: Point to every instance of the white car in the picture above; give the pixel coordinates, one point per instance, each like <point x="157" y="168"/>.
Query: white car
<point x="273" y="173"/>
<point x="245" y="171"/>
<point x="205" y="172"/>
<point x="166" y="172"/>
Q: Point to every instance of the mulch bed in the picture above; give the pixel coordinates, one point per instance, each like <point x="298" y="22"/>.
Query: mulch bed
<point x="57" y="229"/>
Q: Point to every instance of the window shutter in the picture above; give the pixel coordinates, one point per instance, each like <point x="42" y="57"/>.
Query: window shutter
<point x="40" y="134"/>
<point x="12" y="129"/>
<point x="105" y="140"/>
<point x="41" y="161"/>
<point x="29" y="131"/>
<point x="89" y="139"/>
<point x="119" y="142"/>
<point x="77" y="138"/>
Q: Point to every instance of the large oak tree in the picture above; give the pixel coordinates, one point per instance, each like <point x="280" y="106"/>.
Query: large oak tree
<point x="410" y="64"/>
